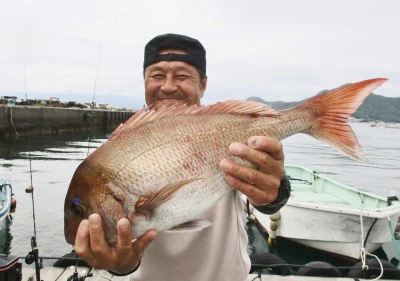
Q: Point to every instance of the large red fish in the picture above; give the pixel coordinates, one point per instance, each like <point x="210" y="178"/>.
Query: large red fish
<point x="160" y="168"/>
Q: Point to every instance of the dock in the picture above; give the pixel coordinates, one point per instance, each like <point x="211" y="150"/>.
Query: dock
<point x="62" y="274"/>
<point x="42" y="120"/>
<point x="63" y="270"/>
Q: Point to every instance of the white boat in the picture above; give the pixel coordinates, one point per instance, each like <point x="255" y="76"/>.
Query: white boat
<point x="326" y="215"/>
<point x="5" y="199"/>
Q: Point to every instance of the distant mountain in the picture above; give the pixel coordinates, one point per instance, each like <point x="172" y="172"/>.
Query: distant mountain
<point x="379" y="108"/>
<point x="374" y="108"/>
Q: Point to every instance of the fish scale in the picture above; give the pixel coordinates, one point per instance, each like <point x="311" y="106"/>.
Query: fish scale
<point x="176" y="147"/>
<point x="160" y="169"/>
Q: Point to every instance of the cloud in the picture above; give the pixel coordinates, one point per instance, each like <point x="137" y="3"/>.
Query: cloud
<point x="278" y="50"/>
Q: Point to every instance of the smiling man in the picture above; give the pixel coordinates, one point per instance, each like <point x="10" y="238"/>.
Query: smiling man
<point x="175" y="72"/>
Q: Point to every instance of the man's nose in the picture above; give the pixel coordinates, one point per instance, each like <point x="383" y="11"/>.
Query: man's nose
<point x="169" y="85"/>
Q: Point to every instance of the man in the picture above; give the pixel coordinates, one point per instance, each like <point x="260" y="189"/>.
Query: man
<point x="175" y="72"/>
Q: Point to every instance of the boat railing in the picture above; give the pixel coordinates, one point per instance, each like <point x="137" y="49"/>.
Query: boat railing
<point x="5" y="193"/>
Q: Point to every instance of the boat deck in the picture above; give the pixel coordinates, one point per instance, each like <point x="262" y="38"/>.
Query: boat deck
<point x="62" y="274"/>
<point x="320" y="198"/>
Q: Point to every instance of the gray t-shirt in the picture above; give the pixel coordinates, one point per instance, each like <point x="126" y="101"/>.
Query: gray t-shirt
<point x="217" y="252"/>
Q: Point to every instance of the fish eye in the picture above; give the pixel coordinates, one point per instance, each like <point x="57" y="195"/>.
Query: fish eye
<point x="78" y="210"/>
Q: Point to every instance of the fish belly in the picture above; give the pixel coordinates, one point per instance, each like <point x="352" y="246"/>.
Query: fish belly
<point x="189" y="203"/>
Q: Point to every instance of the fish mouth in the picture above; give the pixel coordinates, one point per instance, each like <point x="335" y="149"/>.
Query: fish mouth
<point x="71" y="226"/>
<point x="70" y="233"/>
<point x="109" y="227"/>
<point x="70" y="239"/>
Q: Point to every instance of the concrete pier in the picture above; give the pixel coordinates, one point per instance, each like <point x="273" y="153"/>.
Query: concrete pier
<point x="38" y="120"/>
<point x="61" y="274"/>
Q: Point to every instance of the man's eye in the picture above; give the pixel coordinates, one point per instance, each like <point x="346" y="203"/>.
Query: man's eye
<point x="158" y="76"/>
<point x="181" y="76"/>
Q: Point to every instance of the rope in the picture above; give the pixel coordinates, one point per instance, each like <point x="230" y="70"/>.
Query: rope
<point x="257" y="277"/>
<point x="105" y="277"/>
<point x="362" y="249"/>
<point x="13" y="130"/>
<point x="299" y="180"/>
<point x="364" y="253"/>
<point x="297" y="266"/>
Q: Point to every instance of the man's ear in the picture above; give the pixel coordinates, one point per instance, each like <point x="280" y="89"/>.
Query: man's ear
<point x="203" y="85"/>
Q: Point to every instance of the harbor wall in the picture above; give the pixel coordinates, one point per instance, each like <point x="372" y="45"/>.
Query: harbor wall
<point x="38" y="120"/>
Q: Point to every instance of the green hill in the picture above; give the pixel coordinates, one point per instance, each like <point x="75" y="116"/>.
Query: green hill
<point x="380" y="108"/>
<point x="374" y="108"/>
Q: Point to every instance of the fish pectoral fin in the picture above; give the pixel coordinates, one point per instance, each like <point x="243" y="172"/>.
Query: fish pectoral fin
<point x="147" y="203"/>
<point x="190" y="226"/>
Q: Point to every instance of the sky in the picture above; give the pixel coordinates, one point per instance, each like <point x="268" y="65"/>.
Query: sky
<point x="277" y="50"/>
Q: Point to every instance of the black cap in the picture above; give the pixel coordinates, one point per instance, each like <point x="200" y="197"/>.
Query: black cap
<point x="196" y="54"/>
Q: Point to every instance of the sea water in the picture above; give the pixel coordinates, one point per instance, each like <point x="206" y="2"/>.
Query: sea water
<point x="48" y="163"/>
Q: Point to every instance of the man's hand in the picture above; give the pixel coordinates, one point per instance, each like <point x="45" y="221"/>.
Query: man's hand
<point x="91" y="245"/>
<point x="259" y="185"/>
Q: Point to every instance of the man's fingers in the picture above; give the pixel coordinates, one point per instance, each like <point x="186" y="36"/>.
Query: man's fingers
<point x="252" y="191"/>
<point x="264" y="153"/>
<point x="82" y="243"/>
<point x="247" y="174"/>
<point x="143" y="241"/>
<point x="261" y="181"/>
<point x="92" y="246"/>
<point x="243" y="186"/>
<point x="267" y="144"/>
<point x="101" y="250"/>
<point x="259" y="159"/>
<point x="124" y="233"/>
<point x="82" y="237"/>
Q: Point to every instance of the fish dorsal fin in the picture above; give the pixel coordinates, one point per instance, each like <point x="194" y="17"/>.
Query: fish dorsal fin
<point x="154" y="113"/>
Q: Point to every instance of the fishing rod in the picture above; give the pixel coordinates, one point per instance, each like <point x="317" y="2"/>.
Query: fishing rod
<point x="33" y="255"/>
<point x="75" y="276"/>
<point x="94" y="94"/>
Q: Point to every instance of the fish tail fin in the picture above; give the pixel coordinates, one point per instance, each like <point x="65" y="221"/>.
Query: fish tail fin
<point x="330" y="112"/>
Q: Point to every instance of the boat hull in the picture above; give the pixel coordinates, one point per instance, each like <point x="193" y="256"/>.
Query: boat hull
<point x="332" y="217"/>
<point x="5" y="199"/>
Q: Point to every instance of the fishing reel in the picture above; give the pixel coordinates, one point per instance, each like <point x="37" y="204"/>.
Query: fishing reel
<point x="76" y="277"/>
<point x="30" y="257"/>
<point x="33" y="256"/>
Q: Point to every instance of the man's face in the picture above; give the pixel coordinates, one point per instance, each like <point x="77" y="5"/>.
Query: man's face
<point x="173" y="82"/>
